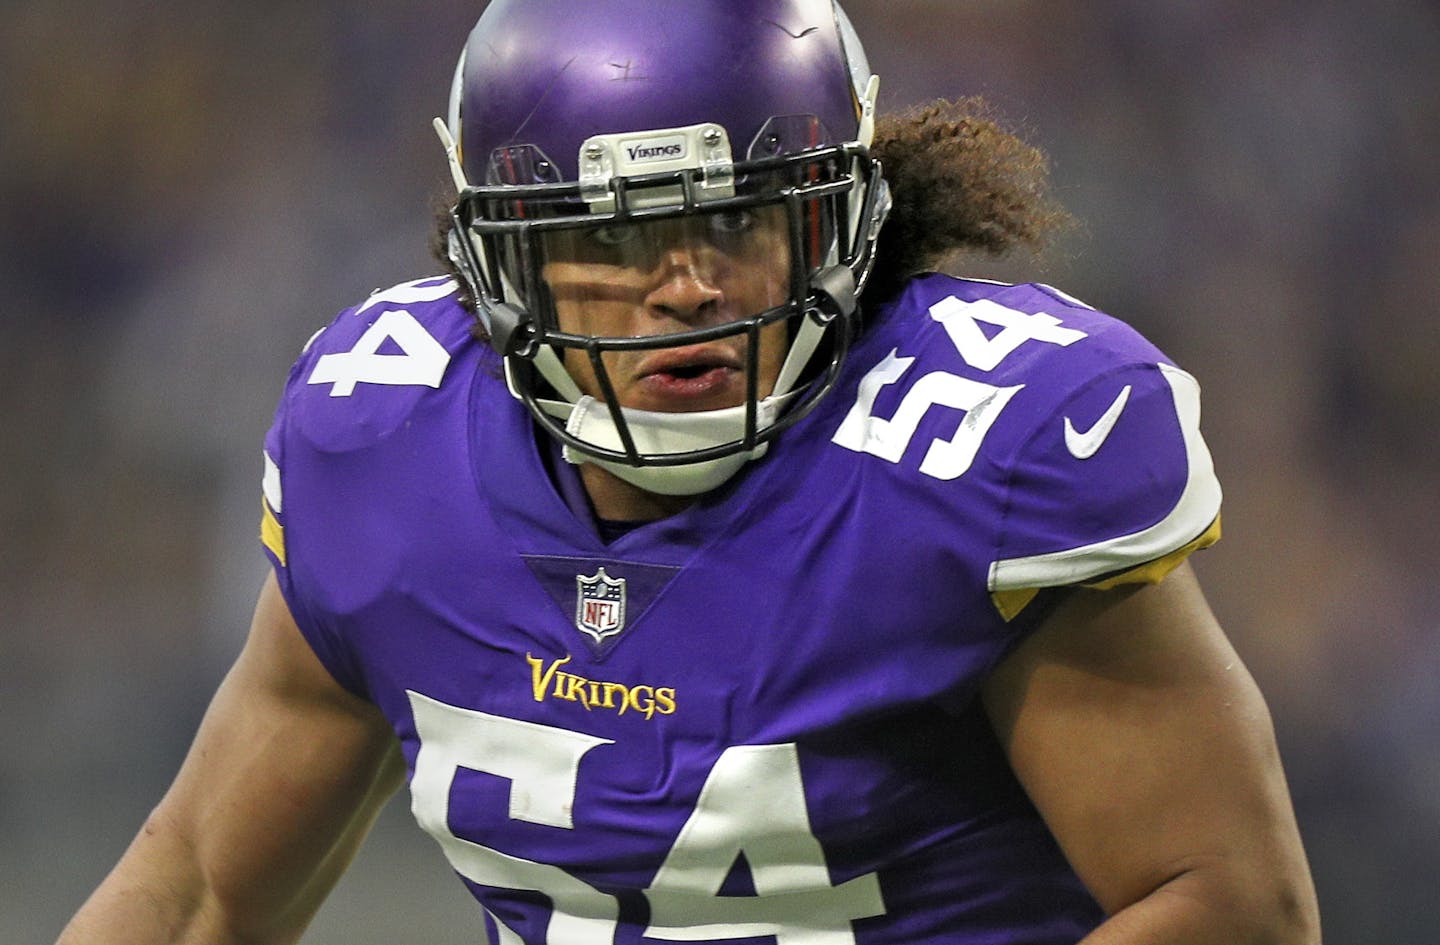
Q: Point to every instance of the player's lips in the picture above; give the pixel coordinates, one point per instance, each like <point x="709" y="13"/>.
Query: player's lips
<point x="701" y="372"/>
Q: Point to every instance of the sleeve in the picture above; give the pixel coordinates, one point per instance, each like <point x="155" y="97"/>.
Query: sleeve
<point x="1115" y="486"/>
<point x="276" y="538"/>
<point x="357" y="382"/>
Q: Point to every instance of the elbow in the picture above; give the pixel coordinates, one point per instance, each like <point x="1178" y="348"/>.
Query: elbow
<point x="1278" y="895"/>
<point x="1291" y="922"/>
<point x="1204" y="903"/>
<point x="1278" y="909"/>
<point x="1294" y="917"/>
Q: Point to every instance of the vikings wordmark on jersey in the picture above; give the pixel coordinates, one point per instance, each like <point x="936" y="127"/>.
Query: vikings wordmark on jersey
<point x="550" y="681"/>
<point x="757" y="719"/>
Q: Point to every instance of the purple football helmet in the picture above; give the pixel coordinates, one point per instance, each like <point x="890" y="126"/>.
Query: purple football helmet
<point x="606" y="125"/>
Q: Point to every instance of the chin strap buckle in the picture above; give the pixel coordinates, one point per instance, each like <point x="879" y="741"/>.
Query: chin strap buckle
<point x="835" y="295"/>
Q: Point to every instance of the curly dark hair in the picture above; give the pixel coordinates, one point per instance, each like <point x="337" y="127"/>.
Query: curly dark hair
<point x="961" y="184"/>
<point x="441" y="203"/>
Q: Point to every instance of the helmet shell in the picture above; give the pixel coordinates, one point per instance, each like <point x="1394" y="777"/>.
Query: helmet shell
<point x="551" y="73"/>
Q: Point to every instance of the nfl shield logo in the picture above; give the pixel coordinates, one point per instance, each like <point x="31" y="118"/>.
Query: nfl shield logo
<point x="599" y="605"/>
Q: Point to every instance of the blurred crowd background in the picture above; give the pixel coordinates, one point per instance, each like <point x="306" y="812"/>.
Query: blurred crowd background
<point x="188" y="191"/>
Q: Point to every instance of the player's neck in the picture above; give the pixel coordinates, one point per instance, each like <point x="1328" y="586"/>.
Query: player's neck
<point x="619" y="501"/>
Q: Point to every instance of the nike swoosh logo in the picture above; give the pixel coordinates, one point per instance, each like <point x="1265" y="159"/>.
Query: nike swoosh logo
<point x="1083" y="445"/>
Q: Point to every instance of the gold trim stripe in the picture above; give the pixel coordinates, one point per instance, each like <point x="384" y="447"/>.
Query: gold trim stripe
<point x="272" y="533"/>
<point x="1155" y="571"/>
<point x="1011" y="602"/>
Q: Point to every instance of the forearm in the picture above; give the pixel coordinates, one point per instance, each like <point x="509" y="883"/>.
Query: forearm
<point x="120" y="913"/>
<point x="170" y="890"/>
<point x="286" y="775"/>
<point x="155" y="895"/>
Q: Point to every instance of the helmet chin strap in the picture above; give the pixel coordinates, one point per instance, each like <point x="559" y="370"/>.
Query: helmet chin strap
<point x="667" y="433"/>
<point x="659" y="433"/>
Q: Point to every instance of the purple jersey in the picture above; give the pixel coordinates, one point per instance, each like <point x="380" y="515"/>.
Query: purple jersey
<point x="756" y="720"/>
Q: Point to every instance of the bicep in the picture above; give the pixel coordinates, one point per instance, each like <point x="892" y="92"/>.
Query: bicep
<point x="1147" y="747"/>
<point x="284" y="777"/>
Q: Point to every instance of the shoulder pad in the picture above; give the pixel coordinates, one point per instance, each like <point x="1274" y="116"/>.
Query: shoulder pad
<point x="1078" y="437"/>
<point x="360" y="377"/>
<point x="1119" y="476"/>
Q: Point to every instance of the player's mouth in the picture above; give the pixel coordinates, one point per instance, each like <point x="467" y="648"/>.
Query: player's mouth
<point x="703" y="377"/>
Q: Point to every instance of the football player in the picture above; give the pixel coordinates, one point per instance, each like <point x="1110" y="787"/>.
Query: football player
<point x="709" y="574"/>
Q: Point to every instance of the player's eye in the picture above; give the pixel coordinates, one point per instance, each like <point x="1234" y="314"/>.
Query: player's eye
<point x="614" y="234"/>
<point x="732" y="222"/>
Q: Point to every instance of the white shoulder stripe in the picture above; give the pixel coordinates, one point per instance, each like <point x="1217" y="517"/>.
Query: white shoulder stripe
<point x="1196" y="509"/>
<point x="270" y="485"/>
<point x="1065" y="296"/>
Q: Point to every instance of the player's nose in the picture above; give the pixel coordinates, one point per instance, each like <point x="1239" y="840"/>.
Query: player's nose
<point x="687" y="287"/>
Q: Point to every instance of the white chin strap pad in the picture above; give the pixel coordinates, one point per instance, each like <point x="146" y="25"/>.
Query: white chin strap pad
<point x="658" y="433"/>
<point x="662" y="433"/>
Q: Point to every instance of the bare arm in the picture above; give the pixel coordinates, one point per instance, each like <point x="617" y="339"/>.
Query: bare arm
<point x="1147" y="747"/>
<point x="284" y="779"/>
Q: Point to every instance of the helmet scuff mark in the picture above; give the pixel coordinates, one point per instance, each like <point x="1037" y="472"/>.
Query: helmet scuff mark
<point x="800" y="35"/>
<point x="626" y="73"/>
<point x="543" y="96"/>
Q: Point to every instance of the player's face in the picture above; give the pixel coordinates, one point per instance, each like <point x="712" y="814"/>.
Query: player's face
<point x="664" y="276"/>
